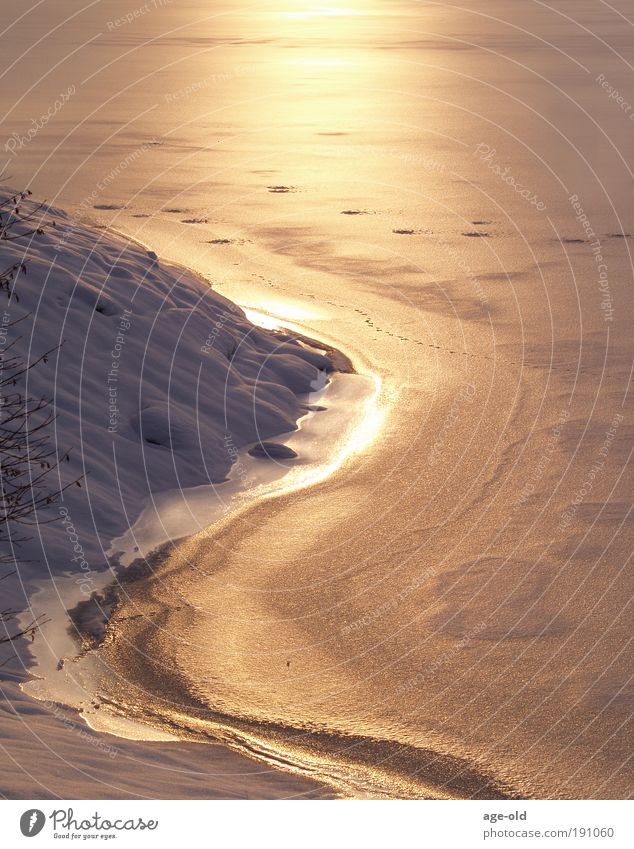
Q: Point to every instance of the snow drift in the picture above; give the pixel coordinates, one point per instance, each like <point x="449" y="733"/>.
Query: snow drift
<point x="156" y="382"/>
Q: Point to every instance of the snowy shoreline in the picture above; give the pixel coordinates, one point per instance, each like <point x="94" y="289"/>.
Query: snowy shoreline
<point x="143" y="347"/>
<point x="323" y="440"/>
<point x="156" y="381"/>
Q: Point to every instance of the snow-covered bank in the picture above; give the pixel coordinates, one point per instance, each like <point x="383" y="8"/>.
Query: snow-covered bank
<point x="323" y="441"/>
<point x="157" y="383"/>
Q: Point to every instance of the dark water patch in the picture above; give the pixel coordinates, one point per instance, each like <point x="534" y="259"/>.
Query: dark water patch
<point x="109" y="207"/>
<point x="476" y="234"/>
<point x="282" y="190"/>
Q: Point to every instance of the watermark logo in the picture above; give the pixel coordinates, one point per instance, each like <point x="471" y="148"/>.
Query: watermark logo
<point x="17" y="141"/>
<point x="32" y="822"/>
<point x="488" y="155"/>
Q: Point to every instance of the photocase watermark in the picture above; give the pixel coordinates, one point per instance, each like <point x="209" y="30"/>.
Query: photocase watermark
<point x="137" y="13"/>
<point x="85" y="580"/>
<point x="391" y="604"/>
<point x="87" y="203"/>
<point x="439" y="661"/>
<point x="364" y="150"/>
<point x="465" y="396"/>
<point x="5" y="321"/>
<point x="597" y="252"/>
<point x="92" y="827"/>
<point x="32" y="822"/>
<point x="17" y="141"/>
<point x="125" y="323"/>
<point x="488" y="155"/>
<point x="597" y="468"/>
<point x="82" y="731"/>
<point x="238" y="467"/>
<point x="214" y="334"/>
<point x="615" y="95"/>
<point x="545" y="459"/>
<point x="473" y="279"/>
<point x="210" y="81"/>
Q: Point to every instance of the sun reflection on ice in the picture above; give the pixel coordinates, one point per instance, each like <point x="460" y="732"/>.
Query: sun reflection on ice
<point x="277" y="315"/>
<point x="370" y="407"/>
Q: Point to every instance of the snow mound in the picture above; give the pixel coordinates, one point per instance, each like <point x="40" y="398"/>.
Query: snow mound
<point x="272" y="451"/>
<point x="156" y="382"/>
